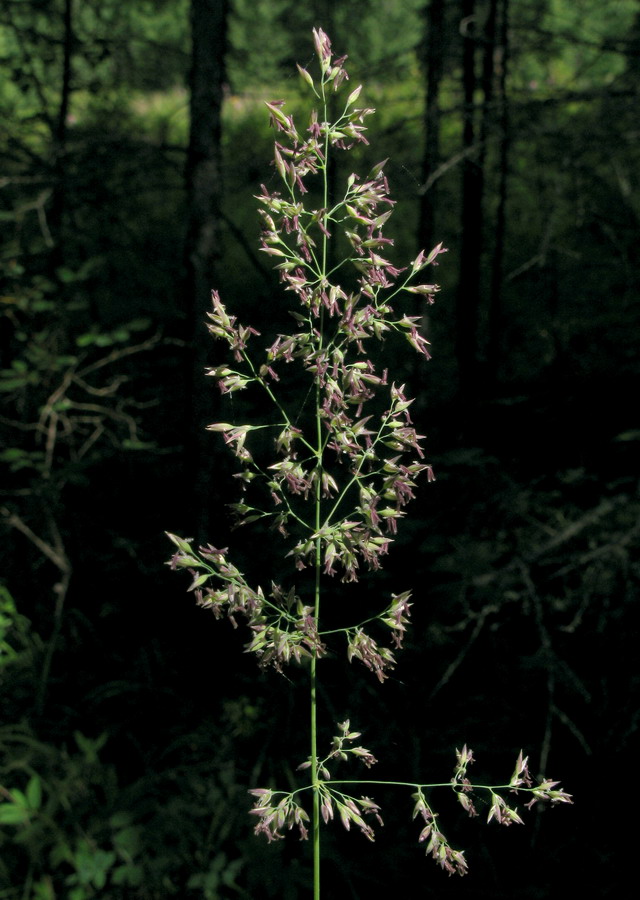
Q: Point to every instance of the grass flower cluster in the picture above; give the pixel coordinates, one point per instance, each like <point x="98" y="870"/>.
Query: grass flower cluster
<point x="345" y="460"/>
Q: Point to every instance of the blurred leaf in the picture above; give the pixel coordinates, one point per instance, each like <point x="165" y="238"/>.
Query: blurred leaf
<point x="11" y="814"/>
<point x="90" y="746"/>
<point x="34" y="793"/>
<point x="633" y="435"/>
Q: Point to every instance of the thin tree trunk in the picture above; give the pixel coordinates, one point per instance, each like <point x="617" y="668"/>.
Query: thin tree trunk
<point x="495" y="298"/>
<point x="59" y="135"/>
<point x="202" y="252"/>
<point x="468" y="298"/>
<point x="433" y="67"/>
<point x="477" y="136"/>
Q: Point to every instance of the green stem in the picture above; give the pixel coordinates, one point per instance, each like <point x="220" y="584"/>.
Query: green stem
<point x="438" y="784"/>
<point x="314" y="770"/>
<point x="314" y="659"/>
<point x="318" y="554"/>
<point x="331" y="782"/>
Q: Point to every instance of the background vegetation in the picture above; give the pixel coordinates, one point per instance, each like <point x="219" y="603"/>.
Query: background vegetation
<point x="133" y="140"/>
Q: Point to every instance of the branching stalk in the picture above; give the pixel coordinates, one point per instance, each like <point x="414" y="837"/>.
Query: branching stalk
<point x="338" y="503"/>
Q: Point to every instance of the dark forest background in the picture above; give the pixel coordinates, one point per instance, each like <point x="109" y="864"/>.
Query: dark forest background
<point x="133" y="138"/>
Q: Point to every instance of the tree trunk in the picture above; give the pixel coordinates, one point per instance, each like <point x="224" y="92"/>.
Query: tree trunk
<point x="202" y="252"/>
<point x="502" y="121"/>
<point x="59" y="142"/>
<point x="433" y="68"/>
<point x="468" y="298"/>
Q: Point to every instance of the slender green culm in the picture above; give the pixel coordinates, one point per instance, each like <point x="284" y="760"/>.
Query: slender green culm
<point x="343" y="471"/>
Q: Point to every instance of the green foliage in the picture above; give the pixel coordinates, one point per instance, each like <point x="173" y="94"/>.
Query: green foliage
<point x="383" y="37"/>
<point x="16" y="639"/>
<point x="115" y="48"/>
<point x="51" y="826"/>
<point x="69" y="828"/>
<point x="61" y="388"/>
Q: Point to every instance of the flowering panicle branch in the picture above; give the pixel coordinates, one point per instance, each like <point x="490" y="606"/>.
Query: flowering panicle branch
<point x="437" y="845"/>
<point x="274" y="817"/>
<point x="340" y="750"/>
<point x="282" y="627"/>
<point x="453" y="861"/>
<point x="351" y="810"/>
